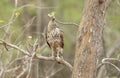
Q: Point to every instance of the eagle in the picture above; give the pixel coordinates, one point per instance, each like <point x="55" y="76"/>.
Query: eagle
<point x="54" y="38"/>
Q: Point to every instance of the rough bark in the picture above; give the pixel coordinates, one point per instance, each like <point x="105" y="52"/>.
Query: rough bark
<point x="89" y="39"/>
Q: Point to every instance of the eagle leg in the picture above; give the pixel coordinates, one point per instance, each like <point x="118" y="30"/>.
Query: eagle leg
<point x="61" y="53"/>
<point x="58" y="54"/>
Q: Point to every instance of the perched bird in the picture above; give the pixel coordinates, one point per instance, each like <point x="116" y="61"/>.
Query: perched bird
<point x="54" y="38"/>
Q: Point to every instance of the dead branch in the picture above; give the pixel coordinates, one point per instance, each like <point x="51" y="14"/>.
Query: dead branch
<point x="14" y="46"/>
<point x="53" y="73"/>
<point x="61" y="61"/>
<point x="12" y="69"/>
<point x="10" y="20"/>
<point x="66" y="23"/>
<point x="30" y="65"/>
<point x="112" y="65"/>
<point x="1" y="72"/>
<point x="34" y="6"/>
<point x="106" y="61"/>
<point x="21" y="74"/>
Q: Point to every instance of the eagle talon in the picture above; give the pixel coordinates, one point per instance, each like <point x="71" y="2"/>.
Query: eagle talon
<point x="53" y="57"/>
<point x="58" y="57"/>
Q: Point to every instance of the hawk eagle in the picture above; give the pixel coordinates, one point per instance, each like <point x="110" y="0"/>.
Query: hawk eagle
<point x="54" y="38"/>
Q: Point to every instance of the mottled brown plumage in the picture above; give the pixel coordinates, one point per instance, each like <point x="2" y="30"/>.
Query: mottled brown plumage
<point x="54" y="38"/>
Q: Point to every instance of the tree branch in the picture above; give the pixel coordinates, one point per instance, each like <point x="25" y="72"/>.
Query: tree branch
<point x="106" y="61"/>
<point x="61" y="61"/>
<point x="112" y="65"/>
<point x="15" y="47"/>
<point x="66" y="23"/>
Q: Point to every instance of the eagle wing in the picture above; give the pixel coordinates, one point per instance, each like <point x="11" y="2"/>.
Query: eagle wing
<point x="54" y="38"/>
<point x="46" y="36"/>
<point x="61" y="39"/>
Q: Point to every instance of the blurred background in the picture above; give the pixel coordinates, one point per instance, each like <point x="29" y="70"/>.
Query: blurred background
<point x="24" y="21"/>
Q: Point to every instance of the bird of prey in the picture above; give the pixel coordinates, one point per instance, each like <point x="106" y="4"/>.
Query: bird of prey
<point x="54" y="38"/>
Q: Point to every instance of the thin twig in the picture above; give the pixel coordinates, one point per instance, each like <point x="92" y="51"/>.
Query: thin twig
<point x="10" y="20"/>
<point x="30" y="65"/>
<point x="21" y="74"/>
<point x="16" y="60"/>
<point x="19" y="8"/>
<point x="34" y="6"/>
<point x="66" y="23"/>
<point x="106" y="61"/>
<point x="35" y="46"/>
<point x="12" y="69"/>
<point x="112" y="65"/>
<point x="1" y="72"/>
<point x="53" y="73"/>
<point x="14" y="46"/>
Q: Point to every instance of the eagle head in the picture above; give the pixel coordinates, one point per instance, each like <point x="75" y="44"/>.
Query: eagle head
<point x="52" y="16"/>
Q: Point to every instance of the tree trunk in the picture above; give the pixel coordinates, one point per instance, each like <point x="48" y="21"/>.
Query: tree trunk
<point x="89" y="39"/>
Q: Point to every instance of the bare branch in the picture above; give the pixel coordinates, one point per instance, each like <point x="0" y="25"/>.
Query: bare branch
<point x="53" y="73"/>
<point x="10" y="20"/>
<point x="14" y="46"/>
<point x="1" y="72"/>
<point x="33" y="56"/>
<point x="66" y="23"/>
<point x="61" y="61"/>
<point x="34" y="6"/>
<point x="16" y="3"/>
<point x="106" y="61"/>
<point x="30" y="65"/>
<point x="21" y="74"/>
<point x="21" y="58"/>
<point x="12" y="69"/>
<point x="112" y="65"/>
<point x="35" y="46"/>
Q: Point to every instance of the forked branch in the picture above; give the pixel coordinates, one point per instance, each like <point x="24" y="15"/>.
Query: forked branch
<point x="37" y="56"/>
